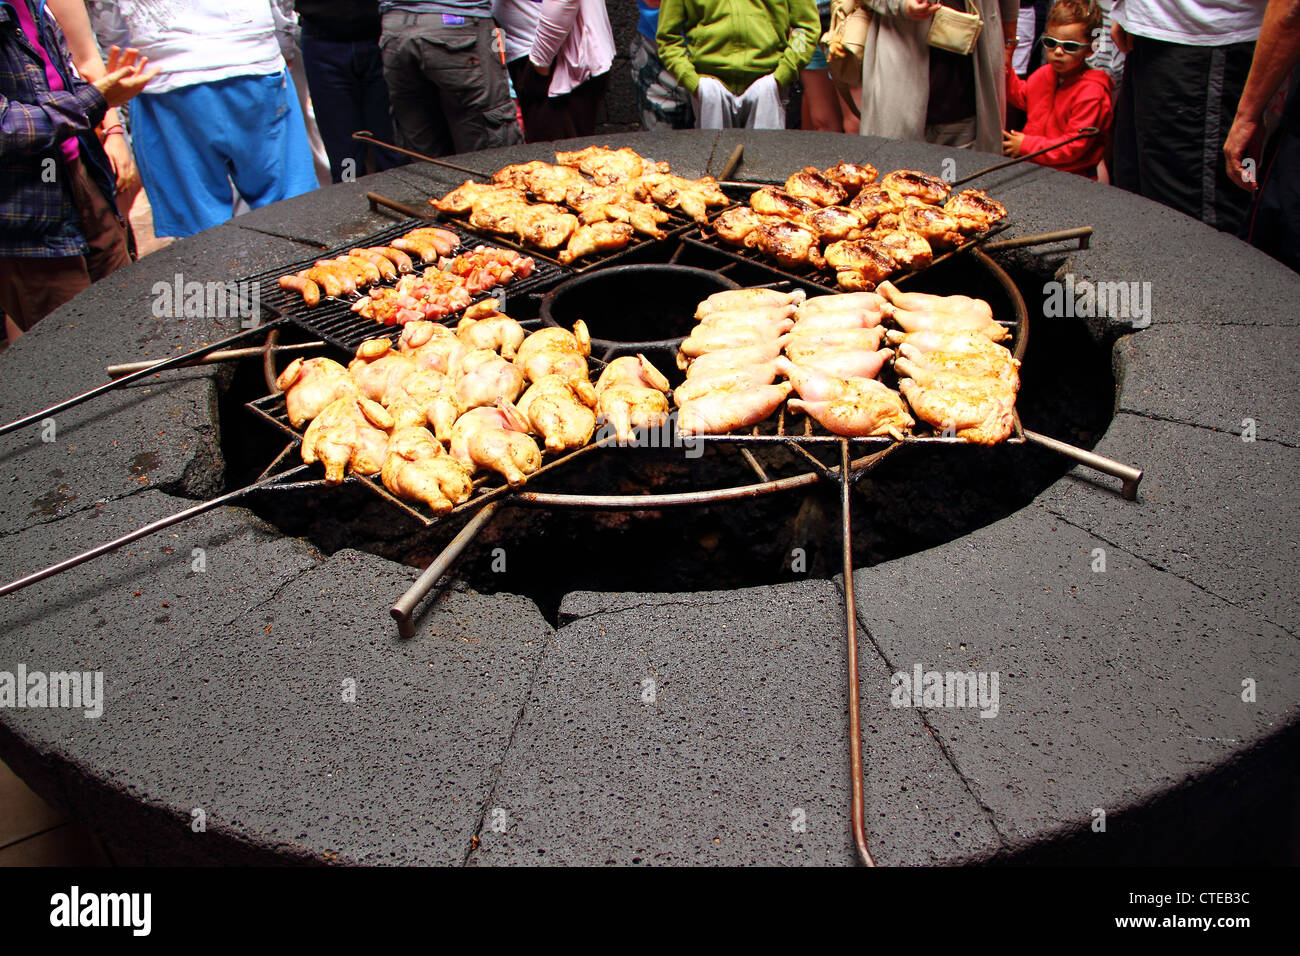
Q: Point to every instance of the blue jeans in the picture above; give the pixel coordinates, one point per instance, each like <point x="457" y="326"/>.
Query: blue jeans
<point x="348" y="93"/>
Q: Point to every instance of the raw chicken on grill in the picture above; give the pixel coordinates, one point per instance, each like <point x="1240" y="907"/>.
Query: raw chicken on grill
<point x="844" y="363"/>
<point x="853" y="407"/>
<point x="939" y="229"/>
<point x="711" y="338"/>
<point x="977" y="410"/>
<point x="859" y="263"/>
<point x="963" y="342"/>
<point x="978" y="364"/>
<point x="379" y="370"/>
<point x="734" y="299"/>
<point x="919" y="311"/>
<point x="610" y="166"/>
<point x="790" y="244"/>
<point x="312" y="384"/>
<point x="482" y="378"/>
<point x="555" y="351"/>
<point x="811" y="185"/>
<point x="974" y="210"/>
<point x="483" y="327"/>
<point x="711" y="363"/>
<point x="431" y="345"/>
<point x="760" y="315"/>
<point x="721" y="410"/>
<point x="726" y="377"/>
<point x="837" y="222"/>
<point x="349" y="432"/>
<point x="560" y="410"/>
<point x="909" y="182"/>
<point x="851" y="177"/>
<point x="630" y="394"/>
<point x="910" y="250"/>
<point x="773" y="201"/>
<point x="695" y="197"/>
<point x="867" y="309"/>
<point x="496" y="438"/>
<point x="426" y="398"/>
<point x="597" y="237"/>
<point x="416" y="468"/>
<point x="863" y="340"/>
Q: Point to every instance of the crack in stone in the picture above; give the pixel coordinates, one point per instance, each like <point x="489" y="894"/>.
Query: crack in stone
<point x="314" y="244"/>
<point x="1155" y="417"/>
<point x="644" y="605"/>
<point x="274" y="596"/>
<point x="74" y="513"/>
<point x="1164" y="570"/>
<point x="985" y="809"/>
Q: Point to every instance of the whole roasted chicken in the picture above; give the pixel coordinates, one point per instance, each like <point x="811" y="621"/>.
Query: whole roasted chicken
<point x="560" y="410"/>
<point x="496" y="438"/>
<point x="630" y="394"/>
<point x="555" y="351"/>
<point x="416" y="468"/>
<point x="348" y="433"/>
<point x="854" y="407"/>
<point x="312" y="384"/>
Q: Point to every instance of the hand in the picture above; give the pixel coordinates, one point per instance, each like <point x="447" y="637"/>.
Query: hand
<point x="125" y="77"/>
<point x="1242" y="139"/>
<point x="541" y="70"/>
<point x="119" y="155"/>
<point x="1011" y="142"/>
<point x="1120" y="37"/>
<point x="920" y="9"/>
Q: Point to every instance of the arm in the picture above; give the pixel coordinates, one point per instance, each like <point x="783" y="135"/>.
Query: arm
<point x="1017" y="89"/>
<point x="1276" y="53"/>
<point x="672" y="45"/>
<point x="805" y="31"/>
<point x="554" y="24"/>
<point x="1091" y="110"/>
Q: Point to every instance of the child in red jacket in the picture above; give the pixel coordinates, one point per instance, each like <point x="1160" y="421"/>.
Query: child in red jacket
<point x="1063" y="95"/>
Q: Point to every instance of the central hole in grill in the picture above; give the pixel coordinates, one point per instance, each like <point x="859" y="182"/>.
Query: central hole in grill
<point x="920" y="497"/>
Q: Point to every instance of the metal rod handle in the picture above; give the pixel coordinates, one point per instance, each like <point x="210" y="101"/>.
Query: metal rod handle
<point x="403" y="208"/>
<point x="141" y="532"/>
<point x="851" y="624"/>
<point x="733" y="163"/>
<point x="403" y="611"/>
<point x="1129" y="475"/>
<point x="175" y="362"/>
<point x="225" y="355"/>
<point x="1083" y="133"/>
<point x="365" y="136"/>
<point x="1082" y="233"/>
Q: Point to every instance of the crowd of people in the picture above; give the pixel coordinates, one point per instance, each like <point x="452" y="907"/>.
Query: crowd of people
<point x="1185" y="95"/>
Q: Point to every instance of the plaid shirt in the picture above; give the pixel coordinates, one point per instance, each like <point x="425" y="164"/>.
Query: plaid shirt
<point x="37" y="217"/>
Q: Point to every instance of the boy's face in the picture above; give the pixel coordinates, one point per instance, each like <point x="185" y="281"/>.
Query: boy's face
<point x="1062" y="62"/>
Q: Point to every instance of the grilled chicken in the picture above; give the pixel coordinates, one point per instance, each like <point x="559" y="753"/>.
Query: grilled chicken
<point x="555" y="351"/>
<point x="482" y="378"/>
<point x="610" y="166"/>
<point x="851" y="177"/>
<point x="853" y="407"/>
<point x="910" y="250"/>
<point x="630" y="394"/>
<point x="560" y="410"/>
<point x="545" y="226"/>
<point x="312" y="384"/>
<point x="974" y="210"/>
<point x="378" y="369"/>
<point x="977" y="364"/>
<point x="773" y="201"/>
<point x="416" y="468"/>
<point x="597" y="237"/>
<point x="940" y="230"/>
<point x="552" y="184"/>
<point x="482" y="327"/>
<point x="615" y="204"/>
<point x="859" y="263"/>
<point x="790" y="244"/>
<point x="909" y="182"/>
<point x="977" y="410"/>
<point x="812" y="186"/>
<point x="919" y="311"/>
<point x="837" y="222"/>
<point x="721" y="410"/>
<point x="734" y="299"/>
<point x="463" y="198"/>
<point x="348" y="433"/>
<point x="736" y="225"/>
<point x="868" y="308"/>
<point x="876" y="201"/>
<point x="431" y="345"/>
<point x="425" y="398"/>
<point x="497" y="439"/>
<point x="695" y="197"/>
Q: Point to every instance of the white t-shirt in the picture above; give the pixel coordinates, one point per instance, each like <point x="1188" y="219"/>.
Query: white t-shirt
<point x="1192" y="22"/>
<point x="195" y="41"/>
<point x="518" y="22"/>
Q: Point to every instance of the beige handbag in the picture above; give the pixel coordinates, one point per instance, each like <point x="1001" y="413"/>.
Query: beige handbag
<point x="845" y="42"/>
<point x="955" y="31"/>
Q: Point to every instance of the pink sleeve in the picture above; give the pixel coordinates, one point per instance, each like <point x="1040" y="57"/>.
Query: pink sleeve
<point x="553" y="28"/>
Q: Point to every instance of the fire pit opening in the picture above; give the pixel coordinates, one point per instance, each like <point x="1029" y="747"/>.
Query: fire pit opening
<point x="626" y="307"/>
<point x="918" y="498"/>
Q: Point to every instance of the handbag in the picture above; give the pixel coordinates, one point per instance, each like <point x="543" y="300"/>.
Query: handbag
<point x="845" y="42"/>
<point x="955" y="31"/>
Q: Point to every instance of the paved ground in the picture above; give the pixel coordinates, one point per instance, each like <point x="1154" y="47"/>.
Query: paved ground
<point x="675" y="728"/>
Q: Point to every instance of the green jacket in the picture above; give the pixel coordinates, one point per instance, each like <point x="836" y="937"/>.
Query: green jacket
<point x="737" y="41"/>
